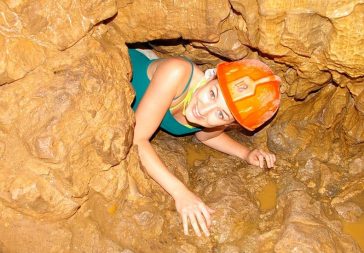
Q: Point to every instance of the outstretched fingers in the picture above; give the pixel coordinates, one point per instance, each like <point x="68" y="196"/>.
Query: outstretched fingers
<point x="206" y="213"/>
<point x="200" y="219"/>
<point x="192" y="209"/>
<point x="194" y="224"/>
<point x="202" y="222"/>
<point x="185" y="223"/>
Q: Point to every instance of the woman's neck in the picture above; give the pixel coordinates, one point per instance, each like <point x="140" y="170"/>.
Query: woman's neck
<point x="178" y="109"/>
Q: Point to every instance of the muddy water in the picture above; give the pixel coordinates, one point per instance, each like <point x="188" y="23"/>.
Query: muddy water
<point x="258" y="225"/>
<point x="356" y="229"/>
<point x="195" y="154"/>
<point x="267" y="196"/>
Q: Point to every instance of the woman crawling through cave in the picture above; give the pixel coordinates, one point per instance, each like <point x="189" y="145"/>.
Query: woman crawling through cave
<point x="177" y="96"/>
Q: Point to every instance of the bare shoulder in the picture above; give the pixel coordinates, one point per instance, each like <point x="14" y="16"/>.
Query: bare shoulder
<point x="172" y="65"/>
<point x="174" y="71"/>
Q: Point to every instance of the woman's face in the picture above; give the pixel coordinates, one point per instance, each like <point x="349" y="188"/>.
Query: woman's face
<point x="207" y="107"/>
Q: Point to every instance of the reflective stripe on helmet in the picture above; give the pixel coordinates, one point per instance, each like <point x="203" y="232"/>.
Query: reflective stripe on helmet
<point x="245" y="86"/>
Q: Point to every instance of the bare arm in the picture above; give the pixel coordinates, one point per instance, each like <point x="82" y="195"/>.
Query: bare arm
<point x="149" y="115"/>
<point x="167" y="78"/>
<point x="220" y="141"/>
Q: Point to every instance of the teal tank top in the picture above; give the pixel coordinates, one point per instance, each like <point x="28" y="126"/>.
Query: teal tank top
<point x="140" y="82"/>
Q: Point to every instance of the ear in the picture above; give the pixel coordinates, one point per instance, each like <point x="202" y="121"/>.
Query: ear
<point x="210" y="74"/>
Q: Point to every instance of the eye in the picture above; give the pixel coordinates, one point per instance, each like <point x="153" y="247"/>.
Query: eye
<point x="220" y="115"/>
<point x="212" y="94"/>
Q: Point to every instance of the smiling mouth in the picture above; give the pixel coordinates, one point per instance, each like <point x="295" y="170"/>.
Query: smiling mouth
<point x="196" y="113"/>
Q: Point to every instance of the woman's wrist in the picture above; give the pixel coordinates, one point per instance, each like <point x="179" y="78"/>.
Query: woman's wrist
<point x="178" y="189"/>
<point x="244" y="154"/>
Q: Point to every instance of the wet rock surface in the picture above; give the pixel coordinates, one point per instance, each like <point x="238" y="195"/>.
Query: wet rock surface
<point x="71" y="181"/>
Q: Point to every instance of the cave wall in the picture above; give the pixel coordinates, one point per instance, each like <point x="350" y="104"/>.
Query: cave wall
<point x="70" y="180"/>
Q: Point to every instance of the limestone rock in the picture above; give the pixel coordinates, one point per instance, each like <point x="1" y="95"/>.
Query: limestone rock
<point x="302" y="126"/>
<point x="71" y="121"/>
<point x="353" y="125"/>
<point x="307" y="31"/>
<point x="349" y="211"/>
<point x="195" y="20"/>
<point x="28" y="30"/>
<point x="306" y="228"/>
<point x="356" y="166"/>
<point x="232" y="219"/>
<point x="21" y="233"/>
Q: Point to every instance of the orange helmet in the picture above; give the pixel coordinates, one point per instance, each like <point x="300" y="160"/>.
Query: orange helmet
<point x="251" y="91"/>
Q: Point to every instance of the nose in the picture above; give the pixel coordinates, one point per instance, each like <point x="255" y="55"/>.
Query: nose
<point x="206" y="108"/>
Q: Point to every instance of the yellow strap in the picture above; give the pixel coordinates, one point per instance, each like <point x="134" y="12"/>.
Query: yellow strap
<point x="186" y="100"/>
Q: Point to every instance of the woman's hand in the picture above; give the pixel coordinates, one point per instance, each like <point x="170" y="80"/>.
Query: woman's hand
<point x="192" y="209"/>
<point x="257" y="156"/>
